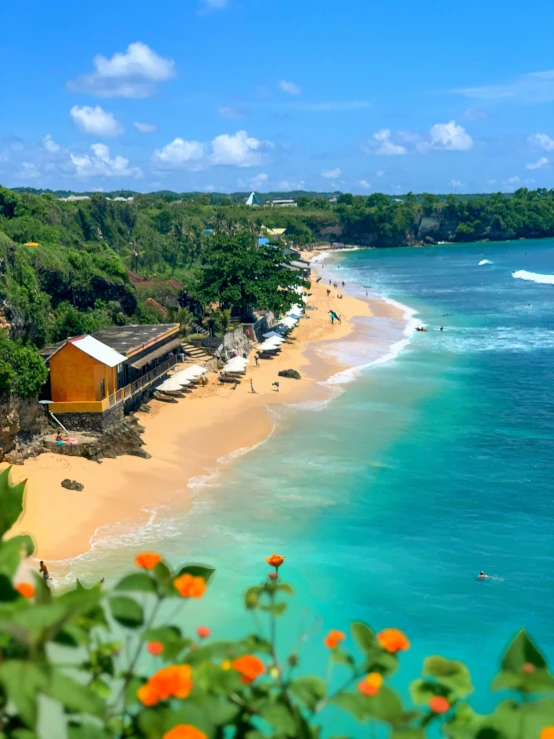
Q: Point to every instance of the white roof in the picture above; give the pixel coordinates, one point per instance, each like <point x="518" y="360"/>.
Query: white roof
<point x="171" y="385"/>
<point x="189" y="373"/>
<point x="99" y="351"/>
<point x="273" y="335"/>
<point x="236" y="364"/>
<point x="289" y="321"/>
<point x="270" y="345"/>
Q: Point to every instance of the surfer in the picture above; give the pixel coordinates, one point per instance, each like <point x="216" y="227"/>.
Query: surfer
<point x="441" y="329"/>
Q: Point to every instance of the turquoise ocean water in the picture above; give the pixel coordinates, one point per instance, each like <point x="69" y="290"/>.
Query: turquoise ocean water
<point x="425" y="469"/>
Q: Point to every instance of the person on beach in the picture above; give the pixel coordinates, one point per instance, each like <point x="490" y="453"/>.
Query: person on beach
<point x="43" y="569"/>
<point x="328" y="292"/>
<point x="257" y="360"/>
<point x="252" y="388"/>
<point x="276" y="385"/>
<point x="343" y="283"/>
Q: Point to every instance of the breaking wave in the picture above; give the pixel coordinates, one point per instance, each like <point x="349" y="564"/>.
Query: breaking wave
<point x="522" y="274"/>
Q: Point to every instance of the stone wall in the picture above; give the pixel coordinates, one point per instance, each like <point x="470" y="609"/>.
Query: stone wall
<point x="21" y="423"/>
<point x="92" y="421"/>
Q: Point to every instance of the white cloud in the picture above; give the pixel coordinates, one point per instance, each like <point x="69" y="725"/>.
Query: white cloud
<point x="456" y="184"/>
<point x="381" y="144"/>
<point x="229" y="111"/>
<point x="379" y="173"/>
<point x="145" y="127"/>
<point x="259" y="180"/>
<point x="28" y="171"/>
<point x="542" y="141"/>
<point x="95" y="121"/>
<point x="100" y="164"/>
<point x="210" y="188"/>
<point x="529" y="181"/>
<point x="131" y="74"/>
<point x="511" y="183"/>
<point x="540" y="164"/>
<point x="537" y="87"/>
<point x="475" y="114"/>
<point x="331" y="174"/>
<point x="288" y="185"/>
<point x="239" y="150"/>
<point x="491" y="182"/>
<point x="50" y="145"/>
<point x="291" y="88"/>
<point x="449" y="136"/>
<point x="180" y="154"/>
<point x="365" y="184"/>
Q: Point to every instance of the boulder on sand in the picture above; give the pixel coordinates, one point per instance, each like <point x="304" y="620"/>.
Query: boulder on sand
<point x="72" y="485"/>
<point x="293" y="374"/>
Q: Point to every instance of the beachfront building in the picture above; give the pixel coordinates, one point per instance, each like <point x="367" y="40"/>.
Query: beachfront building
<point x="274" y="234"/>
<point x="253" y="200"/>
<point x="284" y="204"/>
<point x="94" y="380"/>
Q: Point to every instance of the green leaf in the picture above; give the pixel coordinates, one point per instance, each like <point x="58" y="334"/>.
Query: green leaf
<point x="100" y="687"/>
<point x="385" y="706"/>
<point x="354" y="704"/>
<point x="126" y="611"/>
<point x="151" y="723"/>
<point x="284" y="587"/>
<point x="23" y="681"/>
<point x="74" y="696"/>
<point x="364" y="637"/>
<point x="139" y="582"/>
<point x="341" y="658"/>
<point x="12" y="552"/>
<point x="278" y="716"/>
<point x="11" y="501"/>
<point x="7" y="591"/>
<point x="407" y="734"/>
<point x="464" y="722"/>
<point x="277" y="609"/>
<point x="252" y="597"/>
<point x="86" y="731"/>
<point x="521" y="651"/>
<point x="202" y="571"/>
<point x="450" y="673"/>
<point x="421" y="691"/>
<point x="309" y="690"/>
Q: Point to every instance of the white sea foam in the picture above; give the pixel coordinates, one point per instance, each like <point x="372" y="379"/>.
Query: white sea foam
<point x="522" y="274"/>
<point x="352" y="373"/>
<point x="319" y="257"/>
<point x="484" y="261"/>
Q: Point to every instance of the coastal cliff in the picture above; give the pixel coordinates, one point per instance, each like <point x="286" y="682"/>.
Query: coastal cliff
<point x="22" y="422"/>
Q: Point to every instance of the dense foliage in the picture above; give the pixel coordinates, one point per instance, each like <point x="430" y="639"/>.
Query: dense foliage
<point x="64" y="265"/>
<point x="114" y="664"/>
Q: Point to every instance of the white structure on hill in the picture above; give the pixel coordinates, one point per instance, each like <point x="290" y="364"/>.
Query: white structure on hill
<point x="253" y="200"/>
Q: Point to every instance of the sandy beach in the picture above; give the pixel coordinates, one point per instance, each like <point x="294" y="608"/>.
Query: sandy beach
<point x="185" y="439"/>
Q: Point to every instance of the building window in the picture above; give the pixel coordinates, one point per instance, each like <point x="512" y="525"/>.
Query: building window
<point x="102" y="389"/>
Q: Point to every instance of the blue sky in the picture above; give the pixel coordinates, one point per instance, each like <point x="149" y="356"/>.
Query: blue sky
<point x="360" y="96"/>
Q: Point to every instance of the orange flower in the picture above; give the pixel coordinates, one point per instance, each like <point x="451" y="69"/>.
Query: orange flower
<point x="438" y="704"/>
<point x="249" y="668"/>
<point x="203" y="632"/>
<point x="275" y="560"/>
<point x="25" y="589"/>
<point x="169" y="682"/>
<point x="184" y="731"/>
<point x="147" y="560"/>
<point x="333" y="638"/>
<point x="547" y="733"/>
<point x="155" y="648"/>
<point x="226" y="665"/>
<point x="190" y="586"/>
<point x="393" y="640"/>
<point x="371" y="684"/>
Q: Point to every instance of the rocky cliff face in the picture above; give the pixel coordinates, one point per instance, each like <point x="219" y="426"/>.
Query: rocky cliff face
<point x="21" y="424"/>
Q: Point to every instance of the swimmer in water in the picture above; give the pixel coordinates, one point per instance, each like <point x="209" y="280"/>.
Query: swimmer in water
<point x="482" y="576"/>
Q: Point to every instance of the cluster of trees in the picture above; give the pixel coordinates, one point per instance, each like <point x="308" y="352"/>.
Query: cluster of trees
<point x="77" y="280"/>
<point x="125" y="661"/>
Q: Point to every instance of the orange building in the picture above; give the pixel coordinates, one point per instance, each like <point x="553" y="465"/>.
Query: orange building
<point x="94" y="380"/>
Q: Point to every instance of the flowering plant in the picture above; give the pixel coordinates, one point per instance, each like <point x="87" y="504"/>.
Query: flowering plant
<point x="162" y="683"/>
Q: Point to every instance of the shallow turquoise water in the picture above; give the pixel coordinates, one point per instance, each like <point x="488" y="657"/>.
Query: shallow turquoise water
<point x="427" y="469"/>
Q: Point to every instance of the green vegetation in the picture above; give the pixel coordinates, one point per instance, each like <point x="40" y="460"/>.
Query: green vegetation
<point x="113" y="663"/>
<point x="198" y="252"/>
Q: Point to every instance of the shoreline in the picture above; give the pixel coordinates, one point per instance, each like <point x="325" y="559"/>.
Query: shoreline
<point x="187" y="440"/>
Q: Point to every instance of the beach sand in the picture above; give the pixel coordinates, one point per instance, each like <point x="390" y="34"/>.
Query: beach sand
<point x="185" y="439"/>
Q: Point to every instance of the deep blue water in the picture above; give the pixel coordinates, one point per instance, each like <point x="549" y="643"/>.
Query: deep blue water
<point x="428" y="468"/>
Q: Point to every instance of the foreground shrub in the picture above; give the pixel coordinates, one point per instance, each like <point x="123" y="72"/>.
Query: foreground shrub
<point x="204" y="689"/>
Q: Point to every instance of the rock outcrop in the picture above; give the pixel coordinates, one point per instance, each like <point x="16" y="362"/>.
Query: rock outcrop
<point x="22" y="423"/>
<point x="72" y="485"/>
<point x="293" y="374"/>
